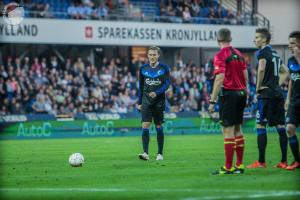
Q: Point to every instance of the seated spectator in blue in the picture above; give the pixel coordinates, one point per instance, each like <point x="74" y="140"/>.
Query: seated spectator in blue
<point x="72" y="11"/>
<point x="88" y="11"/>
<point x="81" y="11"/>
<point x="101" y="12"/>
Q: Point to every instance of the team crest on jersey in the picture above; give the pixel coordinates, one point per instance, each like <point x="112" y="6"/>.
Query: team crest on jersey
<point x="150" y="81"/>
<point x="295" y="76"/>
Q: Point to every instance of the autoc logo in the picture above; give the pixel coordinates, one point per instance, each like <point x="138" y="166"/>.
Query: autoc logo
<point x="13" y="14"/>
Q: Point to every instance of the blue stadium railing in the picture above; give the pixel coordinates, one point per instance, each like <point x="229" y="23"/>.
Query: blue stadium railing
<point x="164" y="19"/>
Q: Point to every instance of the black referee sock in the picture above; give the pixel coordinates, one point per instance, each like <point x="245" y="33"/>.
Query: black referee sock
<point x="145" y="139"/>
<point x="160" y="139"/>
<point x="294" y="145"/>
<point x="283" y="143"/>
<point x="261" y="143"/>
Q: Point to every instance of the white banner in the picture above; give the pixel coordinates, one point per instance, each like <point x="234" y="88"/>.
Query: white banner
<point x="86" y="32"/>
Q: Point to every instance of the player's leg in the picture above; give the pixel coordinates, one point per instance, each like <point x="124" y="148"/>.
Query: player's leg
<point x="158" y="117"/>
<point x="277" y="117"/>
<point x="283" y="140"/>
<point x="292" y="119"/>
<point x="238" y="133"/>
<point x="226" y="103"/>
<point x="146" y="122"/>
<point x="146" y="136"/>
<point x="160" y="141"/>
<point x="261" y="133"/>
<point x="229" y="146"/>
<point x="239" y="148"/>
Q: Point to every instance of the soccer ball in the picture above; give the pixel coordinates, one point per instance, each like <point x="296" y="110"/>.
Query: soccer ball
<point x="76" y="160"/>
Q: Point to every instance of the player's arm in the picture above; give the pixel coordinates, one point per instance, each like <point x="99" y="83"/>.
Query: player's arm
<point x="164" y="86"/>
<point x="217" y="87"/>
<point x="260" y="73"/>
<point x="219" y="71"/>
<point x="245" y="72"/>
<point x="283" y="74"/>
<point x="141" y="88"/>
<point x="287" y="102"/>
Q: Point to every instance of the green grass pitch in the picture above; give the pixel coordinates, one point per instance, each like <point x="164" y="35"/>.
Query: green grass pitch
<point x="39" y="169"/>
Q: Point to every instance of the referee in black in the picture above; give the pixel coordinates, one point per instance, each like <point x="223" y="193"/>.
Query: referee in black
<point x="154" y="80"/>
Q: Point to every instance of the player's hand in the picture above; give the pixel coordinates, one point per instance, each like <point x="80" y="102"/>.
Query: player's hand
<point x="286" y="104"/>
<point x="211" y="108"/>
<point x="139" y="107"/>
<point x="152" y="94"/>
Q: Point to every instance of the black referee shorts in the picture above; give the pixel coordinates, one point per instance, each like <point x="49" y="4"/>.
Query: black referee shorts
<point x="293" y="115"/>
<point x="153" y="112"/>
<point x="232" y="104"/>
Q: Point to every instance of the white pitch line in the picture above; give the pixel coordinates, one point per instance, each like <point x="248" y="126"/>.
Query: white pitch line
<point x="254" y="193"/>
<point x="250" y="196"/>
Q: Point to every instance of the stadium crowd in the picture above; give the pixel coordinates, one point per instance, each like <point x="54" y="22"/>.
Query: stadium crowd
<point x="195" y="11"/>
<point x="46" y="85"/>
<point x="179" y="11"/>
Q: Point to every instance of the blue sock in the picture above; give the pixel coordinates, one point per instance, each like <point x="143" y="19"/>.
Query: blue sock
<point x="283" y="143"/>
<point x="294" y="145"/>
<point x="145" y="139"/>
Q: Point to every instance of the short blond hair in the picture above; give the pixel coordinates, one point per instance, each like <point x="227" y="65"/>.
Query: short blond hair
<point x="155" y="48"/>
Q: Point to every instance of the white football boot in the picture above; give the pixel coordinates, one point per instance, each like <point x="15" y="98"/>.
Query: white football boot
<point x="144" y="156"/>
<point x="159" y="157"/>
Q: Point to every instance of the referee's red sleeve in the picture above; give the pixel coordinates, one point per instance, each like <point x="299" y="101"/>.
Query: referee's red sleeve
<point x="219" y="65"/>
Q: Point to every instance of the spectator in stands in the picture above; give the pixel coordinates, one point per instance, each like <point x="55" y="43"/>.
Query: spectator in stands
<point x="89" y="88"/>
<point x="239" y="18"/>
<point x="3" y="110"/>
<point x="26" y="65"/>
<point x="39" y="105"/>
<point x="17" y="63"/>
<point x="186" y="15"/>
<point x="195" y="8"/>
<point x="211" y="16"/>
<point x="2" y="90"/>
<point x="178" y="14"/>
<point x="101" y="12"/>
<point x="11" y="87"/>
<point x="219" y="13"/>
<point x="36" y="67"/>
<point x="3" y="72"/>
<point x="81" y="11"/>
<point x="72" y="11"/>
<point x="170" y="13"/>
<point x="44" y="11"/>
<point x="230" y="18"/>
<point x="97" y="93"/>
<point x="54" y="63"/>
